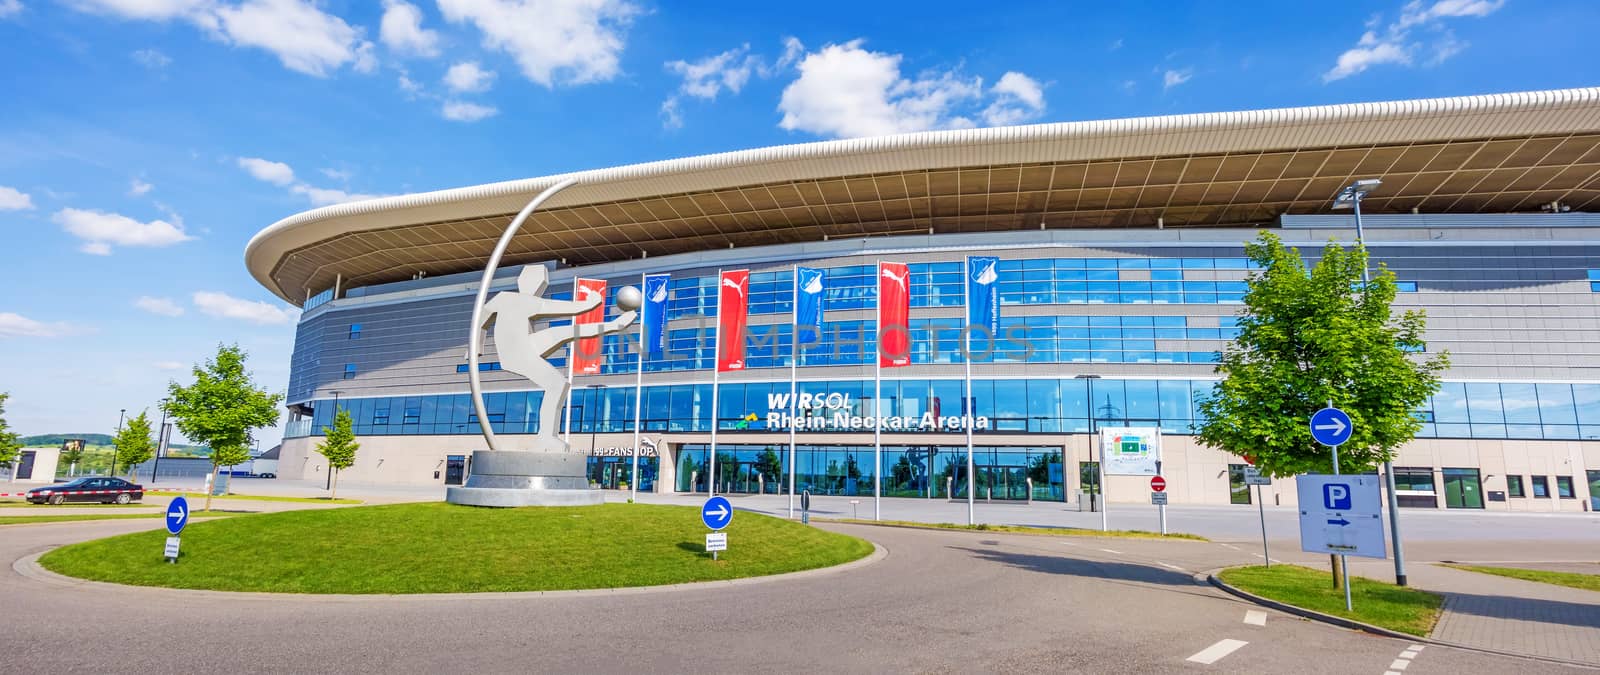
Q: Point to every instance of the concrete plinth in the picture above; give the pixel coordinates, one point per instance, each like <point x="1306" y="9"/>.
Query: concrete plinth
<point x="510" y="479"/>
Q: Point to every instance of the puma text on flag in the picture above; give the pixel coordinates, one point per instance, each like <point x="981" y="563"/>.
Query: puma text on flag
<point x="587" y="357"/>
<point x="733" y="309"/>
<point x="894" y="315"/>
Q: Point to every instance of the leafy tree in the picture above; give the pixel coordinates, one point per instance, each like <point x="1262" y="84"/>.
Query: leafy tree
<point x="1308" y="337"/>
<point x="339" y="447"/>
<point x="134" y="445"/>
<point x="9" y="444"/>
<point x="767" y="464"/>
<point x="71" y="453"/>
<point x="221" y="408"/>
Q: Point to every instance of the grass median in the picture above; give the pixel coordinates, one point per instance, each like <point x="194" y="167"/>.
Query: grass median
<point x="1021" y="529"/>
<point x="1588" y="582"/>
<point x="444" y="548"/>
<point x="1396" y="608"/>
<point x="64" y="518"/>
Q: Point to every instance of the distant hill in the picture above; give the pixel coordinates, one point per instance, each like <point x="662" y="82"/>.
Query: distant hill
<point x="93" y="440"/>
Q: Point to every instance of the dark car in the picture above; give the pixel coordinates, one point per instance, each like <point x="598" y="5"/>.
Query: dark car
<point x="103" y="490"/>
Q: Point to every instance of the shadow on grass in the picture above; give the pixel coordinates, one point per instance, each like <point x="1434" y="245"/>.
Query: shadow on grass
<point x="1077" y="567"/>
<point x="696" y="547"/>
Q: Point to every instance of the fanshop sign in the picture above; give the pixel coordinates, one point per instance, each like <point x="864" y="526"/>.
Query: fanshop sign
<point x="647" y="448"/>
<point x="836" y="412"/>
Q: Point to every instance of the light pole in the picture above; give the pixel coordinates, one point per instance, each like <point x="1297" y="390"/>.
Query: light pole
<point x="161" y="441"/>
<point x="1350" y="198"/>
<point x="1099" y="492"/>
<point x="328" y="481"/>
<point x="120" y="414"/>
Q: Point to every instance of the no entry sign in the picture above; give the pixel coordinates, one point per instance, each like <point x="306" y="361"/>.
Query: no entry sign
<point x="1158" y="484"/>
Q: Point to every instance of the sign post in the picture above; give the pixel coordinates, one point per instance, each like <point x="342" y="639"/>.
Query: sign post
<point x="1330" y="426"/>
<point x="716" y="514"/>
<point x="1252" y="476"/>
<point x="1158" y="496"/>
<point x="177" y="518"/>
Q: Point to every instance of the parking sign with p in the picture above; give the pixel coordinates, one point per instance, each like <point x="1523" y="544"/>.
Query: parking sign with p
<point x="1336" y="497"/>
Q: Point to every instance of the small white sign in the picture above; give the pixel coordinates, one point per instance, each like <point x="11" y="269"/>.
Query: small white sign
<point x="1252" y="476"/>
<point x="172" y="548"/>
<point x="1341" y="514"/>
<point x="1158" y="498"/>
<point x="716" y="541"/>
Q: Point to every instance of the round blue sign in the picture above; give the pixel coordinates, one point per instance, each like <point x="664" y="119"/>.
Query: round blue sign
<point x="1331" y="426"/>
<point x="716" y="513"/>
<point x="177" y="514"/>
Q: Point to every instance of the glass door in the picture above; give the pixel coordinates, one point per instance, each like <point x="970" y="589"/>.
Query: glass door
<point x="455" y="469"/>
<point x="1594" y="490"/>
<point x="1238" y="491"/>
<point x="1462" y="489"/>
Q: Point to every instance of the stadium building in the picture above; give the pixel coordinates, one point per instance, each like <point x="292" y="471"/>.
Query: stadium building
<point x="1120" y="269"/>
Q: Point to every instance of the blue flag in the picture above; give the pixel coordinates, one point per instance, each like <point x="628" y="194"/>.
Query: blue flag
<point x="808" y="303"/>
<point x="653" y="315"/>
<point x="983" y="294"/>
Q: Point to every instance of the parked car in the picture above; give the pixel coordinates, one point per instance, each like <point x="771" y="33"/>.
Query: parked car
<point x="93" y="489"/>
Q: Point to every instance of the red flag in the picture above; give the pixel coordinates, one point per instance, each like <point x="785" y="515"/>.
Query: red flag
<point x="733" y="309"/>
<point x="894" y="315"/>
<point x="586" y="358"/>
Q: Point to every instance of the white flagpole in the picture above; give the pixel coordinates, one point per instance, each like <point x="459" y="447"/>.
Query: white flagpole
<point x="716" y="374"/>
<point x="638" y="396"/>
<point x="794" y="371"/>
<point x="877" y="403"/>
<point x="968" y="404"/>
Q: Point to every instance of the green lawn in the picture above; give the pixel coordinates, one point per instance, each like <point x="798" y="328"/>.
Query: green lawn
<point x="192" y="496"/>
<point x="1019" y="529"/>
<point x="444" y="548"/>
<point x="1588" y="582"/>
<point x="1406" y="610"/>
<point x="22" y="520"/>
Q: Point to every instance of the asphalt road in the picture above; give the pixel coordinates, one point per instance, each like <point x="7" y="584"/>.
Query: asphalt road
<point x="937" y="602"/>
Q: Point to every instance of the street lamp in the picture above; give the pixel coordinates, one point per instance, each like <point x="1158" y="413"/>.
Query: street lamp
<point x="120" y="414"/>
<point x="1099" y="491"/>
<point x="594" y="424"/>
<point x="161" y="442"/>
<point x="328" y="481"/>
<point x="1350" y="198"/>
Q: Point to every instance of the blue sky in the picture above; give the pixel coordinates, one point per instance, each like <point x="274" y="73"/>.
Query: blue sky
<point x="142" y="142"/>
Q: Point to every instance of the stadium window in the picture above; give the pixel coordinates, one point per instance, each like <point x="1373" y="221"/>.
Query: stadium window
<point x="1405" y="286"/>
<point x="1514" y="486"/>
<point x="355" y="331"/>
<point x="349" y="371"/>
<point x="1541" y="488"/>
<point x="1564" y="487"/>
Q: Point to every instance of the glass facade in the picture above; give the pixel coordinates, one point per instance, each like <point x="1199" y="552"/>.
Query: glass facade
<point x="1035" y="405"/>
<point x="931" y="471"/>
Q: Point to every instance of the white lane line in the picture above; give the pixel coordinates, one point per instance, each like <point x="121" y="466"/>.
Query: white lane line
<point x="1171" y="566"/>
<point x="1215" y="652"/>
<point x="1408" y="654"/>
<point x="1107" y="550"/>
<point x="1415" y="648"/>
<point x="1230" y="546"/>
<point x="1399" y="664"/>
<point x="1255" y="617"/>
<point x="1392" y="672"/>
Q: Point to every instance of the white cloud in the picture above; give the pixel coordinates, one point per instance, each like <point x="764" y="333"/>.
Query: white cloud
<point x="468" y="77"/>
<point x="1115" y="45"/>
<point x="276" y="173"/>
<point x="12" y="199"/>
<point x="162" y="306"/>
<point x="336" y="174"/>
<point x="846" y="91"/>
<point x="152" y="59"/>
<point x="463" y="111"/>
<point x="99" y="230"/>
<point x="302" y="36"/>
<point x="17" y="325"/>
<point x="137" y="188"/>
<point x="1018" y="98"/>
<point x="1173" y="78"/>
<point x="325" y="196"/>
<point x="671" y="117"/>
<point x="409" y="86"/>
<point x="168" y="365"/>
<point x="553" y="41"/>
<point x="1394" y="43"/>
<point x="222" y="305"/>
<point x="401" y="30"/>
<point x="708" y="76"/>
<point x="9" y="8"/>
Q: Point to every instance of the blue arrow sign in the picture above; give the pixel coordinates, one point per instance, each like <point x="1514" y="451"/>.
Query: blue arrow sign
<point x="1341" y="522"/>
<point x="716" y="513"/>
<point x="177" y="514"/>
<point x="1331" y="426"/>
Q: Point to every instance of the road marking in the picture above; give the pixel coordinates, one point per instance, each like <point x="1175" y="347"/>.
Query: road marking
<point x="1171" y="566"/>
<point x="1215" y="652"/>
<point x="1399" y="664"/>
<point x="1230" y="546"/>
<point x="1415" y="648"/>
<point x="1255" y="617"/>
<point x="1107" y="550"/>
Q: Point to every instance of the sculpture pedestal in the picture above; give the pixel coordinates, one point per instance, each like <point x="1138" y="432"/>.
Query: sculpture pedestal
<point x="519" y="478"/>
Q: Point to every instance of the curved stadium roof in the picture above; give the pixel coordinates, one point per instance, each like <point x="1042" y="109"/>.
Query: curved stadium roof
<point x="1493" y="153"/>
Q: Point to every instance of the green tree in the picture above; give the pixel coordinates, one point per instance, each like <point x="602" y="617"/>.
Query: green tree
<point x="221" y="408"/>
<point x="9" y="443"/>
<point x="71" y="453"/>
<point x="339" y="447"/>
<point x="134" y="445"/>
<point x="1310" y="337"/>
